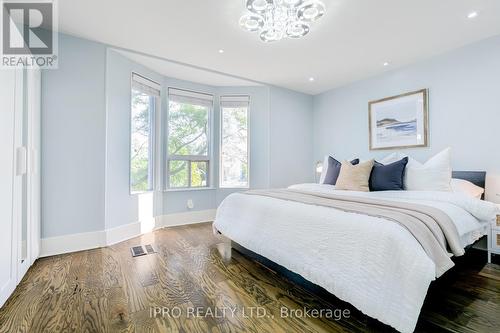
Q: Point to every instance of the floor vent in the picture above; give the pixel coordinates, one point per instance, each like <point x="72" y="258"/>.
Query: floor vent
<point x="142" y="250"/>
<point x="150" y="249"/>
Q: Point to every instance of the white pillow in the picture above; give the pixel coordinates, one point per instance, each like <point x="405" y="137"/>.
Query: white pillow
<point x="433" y="175"/>
<point x="324" y="169"/>
<point x="466" y="187"/>
<point x="391" y="158"/>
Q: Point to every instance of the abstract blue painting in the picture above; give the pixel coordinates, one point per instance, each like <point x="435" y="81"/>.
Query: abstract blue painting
<point x="399" y="121"/>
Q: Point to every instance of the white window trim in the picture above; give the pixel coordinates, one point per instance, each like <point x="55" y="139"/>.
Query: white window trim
<point x="208" y="158"/>
<point x="248" y="142"/>
<point x="145" y="84"/>
<point x="188" y="189"/>
<point x="154" y="135"/>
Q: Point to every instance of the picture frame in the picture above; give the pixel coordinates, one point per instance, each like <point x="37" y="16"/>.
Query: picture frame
<point x="399" y="121"/>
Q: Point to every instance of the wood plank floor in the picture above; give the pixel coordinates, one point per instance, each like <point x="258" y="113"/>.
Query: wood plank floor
<point x="106" y="290"/>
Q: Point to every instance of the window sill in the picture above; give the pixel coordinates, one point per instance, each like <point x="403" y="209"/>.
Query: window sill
<point x="234" y="188"/>
<point x="133" y="193"/>
<point x="188" y="189"/>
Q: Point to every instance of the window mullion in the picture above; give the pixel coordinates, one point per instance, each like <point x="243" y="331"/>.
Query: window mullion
<point x="189" y="157"/>
<point x="152" y="147"/>
<point x="189" y="173"/>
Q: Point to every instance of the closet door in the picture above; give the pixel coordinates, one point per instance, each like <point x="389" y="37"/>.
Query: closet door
<point x="9" y="203"/>
<point x="28" y="149"/>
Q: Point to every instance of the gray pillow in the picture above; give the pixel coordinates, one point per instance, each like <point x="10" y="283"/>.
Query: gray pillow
<point x="333" y="170"/>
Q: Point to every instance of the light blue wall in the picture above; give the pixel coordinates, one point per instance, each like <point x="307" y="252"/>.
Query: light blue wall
<point x="291" y="138"/>
<point x="85" y="141"/>
<point x="73" y="139"/>
<point x="464" y="109"/>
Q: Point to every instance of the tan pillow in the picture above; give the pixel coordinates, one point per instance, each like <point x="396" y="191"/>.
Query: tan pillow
<point x="354" y="177"/>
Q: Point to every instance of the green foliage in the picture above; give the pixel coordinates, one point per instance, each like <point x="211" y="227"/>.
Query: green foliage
<point x="234" y="150"/>
<point x="140" y="141"/>
<point x="187" y="129"/>
<point x="187" y="136"/>
<point x="198" y="174"/>
<point x="178" y="173"/>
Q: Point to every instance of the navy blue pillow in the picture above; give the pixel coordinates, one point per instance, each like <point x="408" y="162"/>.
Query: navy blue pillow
<point x="388" y="177"/>
<point x="333" y="170"/>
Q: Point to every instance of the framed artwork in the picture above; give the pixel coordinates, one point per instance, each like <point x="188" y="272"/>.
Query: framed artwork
<point x="399" y="121"/>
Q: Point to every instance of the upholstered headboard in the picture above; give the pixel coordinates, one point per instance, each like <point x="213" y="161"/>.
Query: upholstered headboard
<point x="478" y="178"/>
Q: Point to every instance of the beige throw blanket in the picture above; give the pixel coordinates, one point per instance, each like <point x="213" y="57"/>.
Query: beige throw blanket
<point x="431" y="227"/>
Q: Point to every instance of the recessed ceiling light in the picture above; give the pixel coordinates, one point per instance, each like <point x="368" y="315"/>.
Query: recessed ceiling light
<point x="311" y="79"/>
<point x="221" y="51"/>
<point x="386" y="64"/>
<point x="472" y="15"/>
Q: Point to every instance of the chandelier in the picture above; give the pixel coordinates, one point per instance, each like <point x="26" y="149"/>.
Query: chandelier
<point x="278" y="19"/>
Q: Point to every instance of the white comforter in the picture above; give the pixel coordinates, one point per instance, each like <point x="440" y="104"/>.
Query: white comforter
<point x="374" y="264"/>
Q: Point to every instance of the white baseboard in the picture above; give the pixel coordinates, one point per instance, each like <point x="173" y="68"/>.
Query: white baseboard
<point x="122" y="233"/>
<point x="91" y="240"/>
<point x="72" y="243"/>
<point x="183" y="218"/>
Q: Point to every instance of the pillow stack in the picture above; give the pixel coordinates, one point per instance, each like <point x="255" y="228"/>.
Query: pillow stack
<point x="396" y="172"/>
<point x="367" y="176"/>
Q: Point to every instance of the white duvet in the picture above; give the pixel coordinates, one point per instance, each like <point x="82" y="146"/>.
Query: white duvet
<point x="374" y="264"/>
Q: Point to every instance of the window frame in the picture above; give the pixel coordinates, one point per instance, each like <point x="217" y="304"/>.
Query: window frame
<point x="189" y="158"/>
<point x="220" y="141"/>
<point x="153" y="118"/>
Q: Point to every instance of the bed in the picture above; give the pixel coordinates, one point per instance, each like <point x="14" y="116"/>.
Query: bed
<point x="375" y="264"/>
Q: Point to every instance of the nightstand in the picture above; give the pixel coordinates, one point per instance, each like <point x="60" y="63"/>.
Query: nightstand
<point x="494" y="238"/>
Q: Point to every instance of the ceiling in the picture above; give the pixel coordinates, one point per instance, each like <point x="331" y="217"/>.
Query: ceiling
<point x="351" y="42"/>
<point x="185" y="72"/>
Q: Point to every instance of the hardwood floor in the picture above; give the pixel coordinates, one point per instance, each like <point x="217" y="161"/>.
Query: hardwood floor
<point x="106" y="290"/>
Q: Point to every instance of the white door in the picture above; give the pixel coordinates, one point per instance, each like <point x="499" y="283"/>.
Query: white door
<point x="8" y="234"/>
<point x="29" y="147"/>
